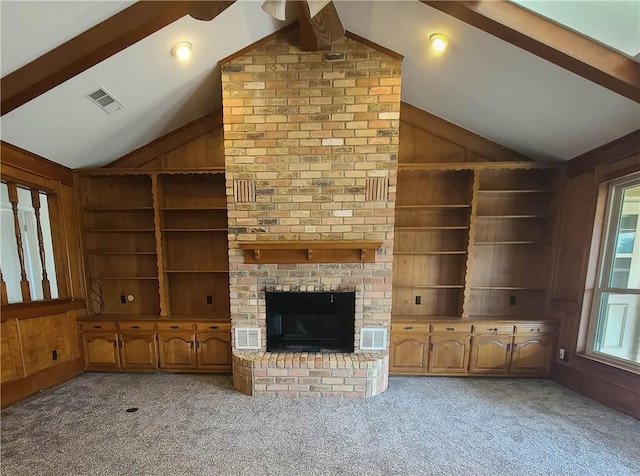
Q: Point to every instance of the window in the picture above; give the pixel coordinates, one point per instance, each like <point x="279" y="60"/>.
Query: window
<point x="26" y="254"/>
<point x="614" y="331"/>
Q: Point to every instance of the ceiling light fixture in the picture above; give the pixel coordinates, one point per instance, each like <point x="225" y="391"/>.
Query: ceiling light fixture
<point x="181" y="50"/>
<point x="439" y="42"/>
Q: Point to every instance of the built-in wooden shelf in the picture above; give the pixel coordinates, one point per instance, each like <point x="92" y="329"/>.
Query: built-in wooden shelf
<point x="196" y="270"/>
<point x="118" y="209"/>
<point x="119" y="230"/>
<point x="339" y="251"/>
<point x="192" y="230"/>
<point x="121" y="253"/>
<point x="428" y="206"/>
<point x="426" y="253"/>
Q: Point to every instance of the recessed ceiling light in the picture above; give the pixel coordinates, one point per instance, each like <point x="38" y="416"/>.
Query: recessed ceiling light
<point x="439" y="42"/>
<point x="181" y="50"/>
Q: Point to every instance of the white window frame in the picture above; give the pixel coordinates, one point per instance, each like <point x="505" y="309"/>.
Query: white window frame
<point x="606" y="259"/>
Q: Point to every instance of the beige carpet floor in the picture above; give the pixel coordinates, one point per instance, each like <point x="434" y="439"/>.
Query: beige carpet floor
<point x="198" y="425"/>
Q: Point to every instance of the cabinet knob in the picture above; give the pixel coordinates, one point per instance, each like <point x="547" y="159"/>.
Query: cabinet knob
<point x="409" y="328"/>
<point x="450" y="329"/>
<point x="174" y="327"/>
<point x="135" y="327"/>
<point x="97" y="327"/>
<point x="213" y="327"/>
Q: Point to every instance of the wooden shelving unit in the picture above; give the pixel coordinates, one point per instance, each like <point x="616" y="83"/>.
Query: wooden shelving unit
<point x="473" y="243"/>
<point x="512" y="248"/>
<point x="156" y="243"/>
<point x="431" y="237"/>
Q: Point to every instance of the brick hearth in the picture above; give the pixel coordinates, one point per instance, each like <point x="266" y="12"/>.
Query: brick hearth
<point x="307" y="136"/>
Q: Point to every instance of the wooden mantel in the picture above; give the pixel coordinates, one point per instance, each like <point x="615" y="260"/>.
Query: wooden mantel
<point x="338" y="251"/>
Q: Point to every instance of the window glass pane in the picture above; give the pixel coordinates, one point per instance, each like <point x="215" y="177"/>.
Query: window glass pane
<point x="618" y="330"/>
<point x="48" y="244"/>
<point x="625" y="272"/>
<point x="9" y="262"/>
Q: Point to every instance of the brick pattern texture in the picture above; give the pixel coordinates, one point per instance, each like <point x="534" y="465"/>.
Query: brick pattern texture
<point x="310" y="128"/>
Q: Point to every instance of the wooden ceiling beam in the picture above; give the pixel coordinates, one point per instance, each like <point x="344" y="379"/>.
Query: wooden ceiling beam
<point x="549" y="41"/>
<point x="97" y="44"/>
<point x="321" y="30"/>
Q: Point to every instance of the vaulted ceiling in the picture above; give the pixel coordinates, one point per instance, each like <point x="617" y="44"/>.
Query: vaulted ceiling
<point x="482" y="83"/>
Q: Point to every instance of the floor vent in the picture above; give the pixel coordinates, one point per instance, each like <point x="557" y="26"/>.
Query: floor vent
<point x="104" y="100"/>
<point x="373" y="338"/>
<point x="247" y="338"/>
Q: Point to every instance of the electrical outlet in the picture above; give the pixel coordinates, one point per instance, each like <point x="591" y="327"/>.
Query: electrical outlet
<point x="418" y="299"/>
<point x="562" y="354"/>
<point x="123" y="299"/>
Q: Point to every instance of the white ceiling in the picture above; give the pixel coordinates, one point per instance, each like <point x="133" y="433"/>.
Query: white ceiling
<point x="481" y="83"/>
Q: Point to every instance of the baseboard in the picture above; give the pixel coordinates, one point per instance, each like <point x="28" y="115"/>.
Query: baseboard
<point x="12" y="392"/>
<point x="619" y="398"/>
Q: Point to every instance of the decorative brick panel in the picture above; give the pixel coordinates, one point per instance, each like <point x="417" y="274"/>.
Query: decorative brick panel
<point x="317" y="132"/>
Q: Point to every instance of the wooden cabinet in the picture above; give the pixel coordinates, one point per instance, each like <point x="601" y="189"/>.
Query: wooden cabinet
<point x="408" y="348"/>
<point x="213" y="351"/>
<point x="100" y="350"/>
<point x="138" y="351"/>
<point x="449" y="353"/>
<point x="152" y="345"/>
<point x="177" y="350"/>
<point x="408" y="353"/>
<point x="471" y="348"/>
<point x="490" y="354"/>
<point x="532" y="355"/>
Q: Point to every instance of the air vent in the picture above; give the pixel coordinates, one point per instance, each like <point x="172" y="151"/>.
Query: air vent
<point x="373" y="338"/>
<point x="247" y="338"/>
<point x="104" y="100"/>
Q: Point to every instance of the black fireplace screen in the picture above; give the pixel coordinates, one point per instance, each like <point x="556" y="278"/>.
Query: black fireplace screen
<point x="310" y="321"/>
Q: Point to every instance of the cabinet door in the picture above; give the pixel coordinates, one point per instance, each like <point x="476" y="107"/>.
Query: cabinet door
<point x="100" y="350"/>
<point x="449" y="353"/>
<point x="176" y="350"/>
<point x="408" y="354"/>
<point x="490" y="354"/>
<point x="214" y="350"/>
<point x="532" y="355"/>
<point x="138" y="350"/>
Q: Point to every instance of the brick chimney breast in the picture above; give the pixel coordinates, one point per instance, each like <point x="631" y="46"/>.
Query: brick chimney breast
<point x="309" y="134"/>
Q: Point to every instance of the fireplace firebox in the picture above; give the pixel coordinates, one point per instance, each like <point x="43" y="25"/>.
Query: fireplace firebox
<point x="310" y="321"/>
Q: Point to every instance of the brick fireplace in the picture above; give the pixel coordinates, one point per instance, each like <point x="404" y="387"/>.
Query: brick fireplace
<point x="311" y="143"/>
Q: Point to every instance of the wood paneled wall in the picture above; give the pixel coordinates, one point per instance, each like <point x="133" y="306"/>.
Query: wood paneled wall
<point x="572" y="289"/>
<point x="39" y="341"/>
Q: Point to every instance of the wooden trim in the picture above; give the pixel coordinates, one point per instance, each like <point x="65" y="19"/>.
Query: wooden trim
<point x="28" y="310"/>
<point x="17" y="390"/>
<point x="375" y="46"/>
<point x="32" y="163"/>
<point x="610" y="152"/>
<point x="258" y="43"/>
<point x="613" y="387"/>
<point x="550" y="41"/>
<point x="93" y="46"/>
<point x="456" y="134"/>
<point x="170" y="141"/>
<point x="477" y="165"/>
